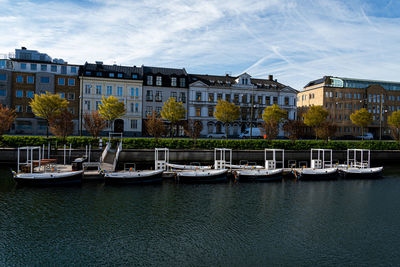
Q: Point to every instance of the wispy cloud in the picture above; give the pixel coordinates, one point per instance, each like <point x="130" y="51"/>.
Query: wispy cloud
<point x="297" y="41"/>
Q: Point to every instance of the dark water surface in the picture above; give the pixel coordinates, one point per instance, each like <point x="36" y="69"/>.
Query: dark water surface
<point x="290" y="223"/>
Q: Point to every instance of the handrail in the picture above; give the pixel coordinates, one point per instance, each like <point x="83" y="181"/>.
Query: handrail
<point x="117" y="155"/>
<point x="104" y="154"/>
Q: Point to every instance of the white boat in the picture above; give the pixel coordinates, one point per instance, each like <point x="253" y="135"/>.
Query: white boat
<point x="187" y="167"/>
<point x="315" y="174"/>
<point x="243" y="166"/>
<point x="49" y="178"/>
<point x="202" y="176"/>
<point x="358" y="165"/>
<point x="361" y="173"/>
<point x="258" y="175"/>
<point x="134" y="177"/>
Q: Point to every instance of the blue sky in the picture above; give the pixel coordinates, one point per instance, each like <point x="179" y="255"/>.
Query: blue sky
<point x="295" y="40"/>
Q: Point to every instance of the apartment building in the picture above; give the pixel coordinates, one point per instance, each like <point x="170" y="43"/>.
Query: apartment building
<point x="123" y="82"/>
<point x="37" y="73"/>
<point x="159" y="84"/>
<point x="250" y="94"/>
<point x="343" y="96"/>
<point x="5" y="82"/>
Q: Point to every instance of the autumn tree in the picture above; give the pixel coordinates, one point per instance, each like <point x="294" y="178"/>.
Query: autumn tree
<point x="111" y="109"/>
<point x="47" y="105"/>
<point x="326" y="130"/>
<point x="94" y="123"/>
<point x="394" y="123"/>
<point x="7" y="117"/>
<point x="295" y="129"/>
<point x="61" y="124"/>
<point x="173" y="112"/>
<point x="154" y="125"/>
<point x="193" y="129"/>
<point x="272" y="117"/>
<point x="361" y="118"/>
<point x="226" y="113"/>
<point x="315" y="117"/>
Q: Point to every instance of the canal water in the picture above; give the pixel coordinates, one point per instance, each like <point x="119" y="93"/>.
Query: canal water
<point x="344" y="222"/>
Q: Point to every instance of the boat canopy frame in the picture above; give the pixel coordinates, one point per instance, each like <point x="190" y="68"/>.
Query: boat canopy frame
<point x="324" y="158"/>
<point x="161" y="158"/>
<point x="352" y="158"/>
<point x="272" y="164"/>
<point x="29" y="157"/>
<point x="220" y="158"/>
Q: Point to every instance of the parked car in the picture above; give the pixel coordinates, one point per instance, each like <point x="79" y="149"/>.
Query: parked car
<point x="366" y="136"/>
<point x="256" y="133"/>
<point x="345" y="137"/>
<point x="216" y="135"/>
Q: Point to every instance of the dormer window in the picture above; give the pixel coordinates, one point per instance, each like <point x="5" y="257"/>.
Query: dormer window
<point x="134" y="76"/>
<point x="159" y="81"/>
<point x="173" y="81"/>
<point x="120" y="75"/>
<point x="111" y="75"/>
<point x="98" y="74"/>
<point x="149" y="80"/>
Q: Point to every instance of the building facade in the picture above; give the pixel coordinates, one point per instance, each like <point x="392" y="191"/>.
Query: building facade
<point x="159" y="84"/>
<point x="123" y="82"/>
<point x="343" y="96"/>
<point x="36" y="73"/>
<point x="251" y="95"/>
<point x="5" y="82"/>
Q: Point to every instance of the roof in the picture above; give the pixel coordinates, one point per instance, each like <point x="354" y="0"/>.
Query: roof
<point x="43" y="62"/>
<point x="126" y="70"/>
<point x="164" y="71"/>
<point x="315" y="82"/>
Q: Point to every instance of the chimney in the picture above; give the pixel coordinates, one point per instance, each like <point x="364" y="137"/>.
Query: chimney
<point x="23" y="48"/>
<point x="271" y="77"/>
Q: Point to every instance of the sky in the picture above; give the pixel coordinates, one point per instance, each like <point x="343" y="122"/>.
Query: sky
<point x="295" y="40"/>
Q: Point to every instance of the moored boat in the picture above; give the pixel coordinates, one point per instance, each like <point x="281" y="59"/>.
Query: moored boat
<point x="361" y="173"/>
<point x="202" y="176"/>
<point x="359" y="165"/>
<point x="243" y="166"/>
<point x="316" y="174"/>
<point x="258" y="175"/>
<point x="49" y="178"/>
<point x="134" y="177"/>
<point x="187" y="167"/>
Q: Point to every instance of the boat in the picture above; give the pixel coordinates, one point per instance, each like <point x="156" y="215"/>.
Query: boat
<point x="134" y="177"/>
<point x="258" y="175"/>
<point x="243" y="166"/>
<point x="202" y="176"/>
<point x="187" y="167"/>
<point x="49" y="178"/>
<point x="359" y="165"/>
<point x="321" y="167"/>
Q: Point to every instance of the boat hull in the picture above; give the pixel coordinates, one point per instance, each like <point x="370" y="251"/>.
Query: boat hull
<point x="317" y="175"/>
<point x="205" y="176"/>
<point x="49" y="179"/>
<point x="134" y="178"/>
<point x="258" y="176"/>
<point x="368" y="173"/>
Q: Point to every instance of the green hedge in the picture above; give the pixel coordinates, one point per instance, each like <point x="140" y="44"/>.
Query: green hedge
<point x="151" y="143"/>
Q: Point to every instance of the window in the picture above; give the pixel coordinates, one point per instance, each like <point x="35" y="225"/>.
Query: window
<point x="286" y="101"/>
<point x="20" y="79"/>
<point x="19" y="108"/>
<point x="98" y="103"/>
<point x="3" y="77"/>
<point x="158" y="80"/>
<point x="158" y="110"/>
<point x="326" y="94"/>
<point x="99" y="74"/>
<point x="134" y="124"/>
<point x="87" y="104"/>
<point x="88" y="88"/>
<point x="43" y="67"/>
<point x="23" y="66"/>
<point x="120" y="75"/>
<point x="132" y="105"/>
<point x="98" y="89"/>
<point x="63" y="69"/>
<point x="174" y="95"/>
<point x="73" y="69"/>
<point x="62" y="95"/>
<point x="198" y="96"/>
<point x="109" y="90"/>
<point x="259" y="99"/>
<point x="137" y="92"/>
<point x="53" y="68"/>
<point x="228" y="97"/>
<point x="71" y="96"/>
<point x="134" y="76"/>
<point x="33" y="67"/>
<point x="30" y="79"/>
<point x="71" y="110"/>
<point x="149" y="110"/>
<point x="210" y="97"/>
<point x="3" y="92"/>
<point x="61" y="81"/>
<point x="173" y="81"/>
<point x="210" y="111"/>
<point x="136" y="107"/>
<point x="182" y="97"/>
<point x="28" y="109"/>
<point x="198" y="111"/>
<point x="44" y="79"/>
<point x="275" y="98"/>
<point x="182" y="82"/>
<point x="20" y="93"/>
<point x="219" y="97"/>
<point x="71" y="82"/>
<point x="149" y="95"/>
<point x="88" y="73"/>
<point x="149" y="80"/>
<point x="120" y="91"/>
<point x="158" y="96"/>
<point x="111" y="75"/>
<point x="236" y="99"/>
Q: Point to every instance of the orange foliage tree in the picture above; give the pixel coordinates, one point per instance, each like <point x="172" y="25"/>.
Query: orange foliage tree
<point x="61" y="124"/>
<point x="94" y="123"/>
<point x="7" y="117"/>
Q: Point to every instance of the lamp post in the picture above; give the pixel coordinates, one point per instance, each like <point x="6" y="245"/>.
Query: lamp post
<point x="251" y="114"/>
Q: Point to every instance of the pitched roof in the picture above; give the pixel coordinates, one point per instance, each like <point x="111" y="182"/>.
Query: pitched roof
<point x="164" y="71"/>
<point x="315" y="82"/>
<point x="126" y="70"/>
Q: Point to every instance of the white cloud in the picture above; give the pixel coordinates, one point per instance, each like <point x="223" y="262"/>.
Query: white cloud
<point x="297" y="41"/>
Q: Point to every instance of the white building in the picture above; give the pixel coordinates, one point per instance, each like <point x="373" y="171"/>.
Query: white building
<point x="124" y="83"/>
<point x="251" y="95"/>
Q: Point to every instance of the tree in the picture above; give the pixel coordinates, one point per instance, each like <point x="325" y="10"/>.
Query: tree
<point x="272" y="117"/>
<point x="226" y="112"/>
<point x="111" y="109"/>
<point x="61" y="124"/>
<point x="193" y="129"/>
<point x="46" y="105"/>
<point x="154" y="125"/>
<point x="361" y="118"/>
<point x="94" y="123"/>
<point x="326" y="130"/>
<point x="315" y="117"/>
<point x="7" y="117"/>
<point x="295" y="129"/>
<point x="394" y="122"/>
<point x="173" y="112"/>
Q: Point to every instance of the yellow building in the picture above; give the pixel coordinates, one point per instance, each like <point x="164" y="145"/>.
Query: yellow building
<point x="343" y="96"/>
